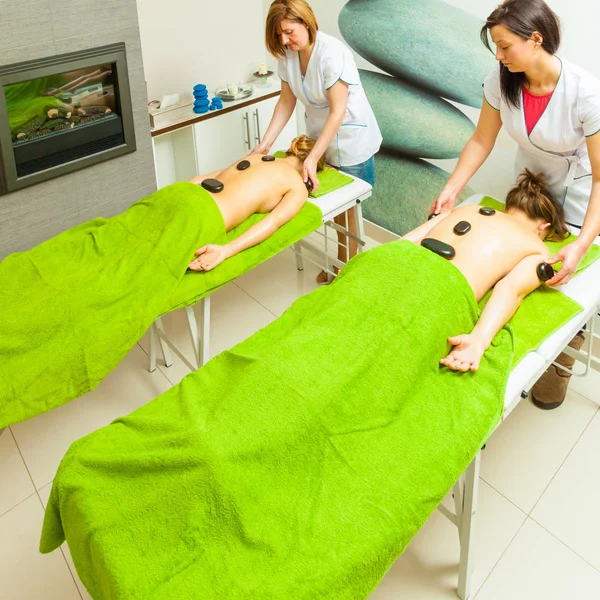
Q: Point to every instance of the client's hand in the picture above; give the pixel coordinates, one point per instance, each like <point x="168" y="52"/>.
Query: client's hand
<point x="310" y="172"/>
<point x="208" y="257"/>
<point x="466" y="354"/>
<point x="262" y="148"/>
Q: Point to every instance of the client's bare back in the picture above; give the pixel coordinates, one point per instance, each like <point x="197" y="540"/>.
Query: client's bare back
<point x="491" y="247"/>
<point x="252" y="185"/>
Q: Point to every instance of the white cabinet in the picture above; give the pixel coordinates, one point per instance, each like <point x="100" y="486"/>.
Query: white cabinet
<point x="226" y="138"/>
<point x="221" y="140"/>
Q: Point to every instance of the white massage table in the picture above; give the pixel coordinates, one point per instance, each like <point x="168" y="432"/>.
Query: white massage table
<point x="332" y="204"/>
<point x="584" y="289"/>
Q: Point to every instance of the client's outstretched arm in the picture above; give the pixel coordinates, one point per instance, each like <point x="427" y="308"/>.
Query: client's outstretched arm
<point x="208" y="257"/>
<point x="506" y="297"/>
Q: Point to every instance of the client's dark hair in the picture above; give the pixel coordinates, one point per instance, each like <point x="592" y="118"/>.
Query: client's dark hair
<point x="524" y="18"/>
<point x="532" y="196"/>
<point x="301" y="148"/>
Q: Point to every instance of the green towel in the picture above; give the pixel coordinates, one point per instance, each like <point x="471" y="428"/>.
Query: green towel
<point x="300" y="463"/>
<point x="72" y="307"/>
<point x="540" y="314"/>
<point x="330" y="179"/>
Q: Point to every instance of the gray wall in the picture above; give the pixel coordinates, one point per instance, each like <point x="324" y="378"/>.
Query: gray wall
<point x="36" y="28"/>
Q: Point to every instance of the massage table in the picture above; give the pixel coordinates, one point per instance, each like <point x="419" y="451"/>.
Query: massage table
<point x="584" y="289"/>
<point x="75" y="305"/>
<point x="331" y="205"/>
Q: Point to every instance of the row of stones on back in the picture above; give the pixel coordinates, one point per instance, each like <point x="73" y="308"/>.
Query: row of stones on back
<point x="216" y="186"/>
<point x="544" y="270"/>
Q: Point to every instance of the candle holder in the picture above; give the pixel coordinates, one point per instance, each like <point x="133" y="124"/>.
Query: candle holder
<point x="262" y="79"/>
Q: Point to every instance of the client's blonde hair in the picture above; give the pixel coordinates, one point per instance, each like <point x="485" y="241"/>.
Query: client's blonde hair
<point x="301" y="147"/>
<point x="532" y="196"/>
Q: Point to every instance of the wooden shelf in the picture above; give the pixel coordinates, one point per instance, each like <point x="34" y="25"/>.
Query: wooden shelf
<point x="185" y="116"/>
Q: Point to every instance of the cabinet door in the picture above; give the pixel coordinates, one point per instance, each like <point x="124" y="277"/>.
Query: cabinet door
<point x="261" y="114"/>
<point x="222" y="140"/>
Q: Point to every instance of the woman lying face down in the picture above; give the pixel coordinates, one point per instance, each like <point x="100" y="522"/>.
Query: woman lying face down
<point x="255" y="184"/>
<point x="504" y="251"/>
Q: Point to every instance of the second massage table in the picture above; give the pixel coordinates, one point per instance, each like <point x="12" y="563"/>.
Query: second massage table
<point x="445" y="426"/>
<point x="584" y="288"/>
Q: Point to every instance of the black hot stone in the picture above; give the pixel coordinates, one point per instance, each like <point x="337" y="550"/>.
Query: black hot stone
<point x="488" y="212"/>
<point x="309" y="186"/>
<point x="242" y="166"/>
<point x="268" y="158"/>
<point x="462" y="227"/>
<point x="431" y="216"/>
<point x="444" y="250"/>
<point x="213" y="185"/>
<point x="545" y="271"/>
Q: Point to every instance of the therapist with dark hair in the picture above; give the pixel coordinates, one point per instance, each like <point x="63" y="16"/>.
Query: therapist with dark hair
<point x="551" y="108"/>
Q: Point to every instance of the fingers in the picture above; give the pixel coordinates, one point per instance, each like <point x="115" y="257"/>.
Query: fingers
<point x="458" y="362"/>
<point x="195" y="266"/>
<point x="556" y="258"/>
<point x="316" y="184"/>
<point x="562" y="277"/>
<point x="201" y="251"/>
<point x="456" y="340"/>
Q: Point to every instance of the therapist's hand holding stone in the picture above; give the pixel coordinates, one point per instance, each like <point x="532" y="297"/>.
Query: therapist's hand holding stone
<point x="445" y="201"/>
<point x="262" y="148"/>
<point x="310" y="172"/>
<point x="570" y="256"/>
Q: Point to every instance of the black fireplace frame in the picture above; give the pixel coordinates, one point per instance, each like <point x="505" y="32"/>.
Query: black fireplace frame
<point x="116" y="54"/>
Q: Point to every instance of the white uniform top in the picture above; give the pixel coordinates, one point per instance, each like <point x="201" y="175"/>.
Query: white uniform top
<point x="556" y="146"/>
<point x="359" y="137"/>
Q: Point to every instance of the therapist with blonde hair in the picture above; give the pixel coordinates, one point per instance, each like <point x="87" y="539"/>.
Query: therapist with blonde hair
<point x="319" y="70"/>
<point x="551" y="108"/>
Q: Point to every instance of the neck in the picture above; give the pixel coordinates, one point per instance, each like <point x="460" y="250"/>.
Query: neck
<point x="545" y="72"/>
<point x="527" y="222"/>
<point x="295" y="162"/>
<point x="306" y="51"/>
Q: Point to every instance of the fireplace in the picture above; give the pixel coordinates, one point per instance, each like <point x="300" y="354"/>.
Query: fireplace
<point x="63" y="113"/>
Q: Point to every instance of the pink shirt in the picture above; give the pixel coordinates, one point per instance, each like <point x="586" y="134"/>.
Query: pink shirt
<point x="534" y="107"/>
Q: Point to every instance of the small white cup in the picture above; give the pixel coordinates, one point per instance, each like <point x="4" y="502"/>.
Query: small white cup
<point x="233" y="89"/>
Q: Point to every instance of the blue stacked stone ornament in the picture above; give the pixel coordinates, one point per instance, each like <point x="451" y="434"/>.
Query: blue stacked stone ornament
<point x="201" y="101"/>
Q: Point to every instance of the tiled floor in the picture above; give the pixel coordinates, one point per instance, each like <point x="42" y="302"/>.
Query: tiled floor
<point x="538" y="520"/>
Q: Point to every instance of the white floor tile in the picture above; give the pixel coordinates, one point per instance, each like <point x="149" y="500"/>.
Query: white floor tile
<point x="537" y="566"/>
<point x="570" y="507"/>
<point x="15" y="483"/>
<point x="25" y="574"/>
<point x="526" y="451"/>
<point x="235" y="316"/>
<point x="588" y="386"/>
<point x="44" y="439"/>
<point x="277" y="283"/>
<point x="428" y="569"/>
